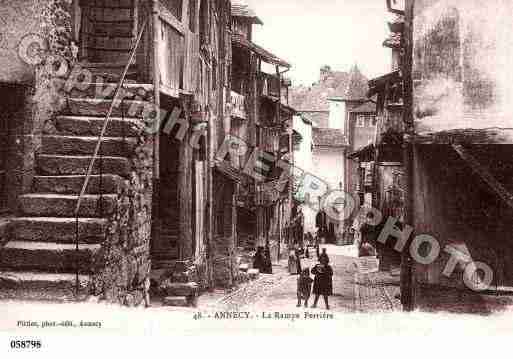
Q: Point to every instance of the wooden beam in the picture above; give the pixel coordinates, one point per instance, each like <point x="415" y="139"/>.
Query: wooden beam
<point x="485" y="175"/>
<point x="167" y="17"/>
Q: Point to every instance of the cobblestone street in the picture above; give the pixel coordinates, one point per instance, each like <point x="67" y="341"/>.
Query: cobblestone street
<point x="355" y="290"/>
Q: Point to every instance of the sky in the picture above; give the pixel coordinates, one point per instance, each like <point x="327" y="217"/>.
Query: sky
<point x="310" y="34"/>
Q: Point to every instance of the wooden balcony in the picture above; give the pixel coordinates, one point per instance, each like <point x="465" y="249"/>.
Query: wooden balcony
<point x="270" y="139"/>
<point x="238" y="103"/>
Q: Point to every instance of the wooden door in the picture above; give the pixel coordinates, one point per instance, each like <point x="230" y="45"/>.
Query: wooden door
<point x="165" y="246"/>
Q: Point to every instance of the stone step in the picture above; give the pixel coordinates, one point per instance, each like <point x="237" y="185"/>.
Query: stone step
<point x="100" y="41"/>
<point x="123" y="29"/>
<point x="106" y="90"/>
<point x="78" y="165"/>
<point x="98" y="55"/>
<point x="113" y="29"/>
<point x="57" y="230"/>
<point x="92" y="126"/>
<point x="100" y="107"/>
<point x="107" y="74"/>
<point x="176" y="302"/>
<point x="85" y="145"/>
<point x="73" y="184"/>
<point x="47" y="257"/>
<point x="171" y="289"/>
<point x="58" y="205"/>
<point x="40" y="286"/>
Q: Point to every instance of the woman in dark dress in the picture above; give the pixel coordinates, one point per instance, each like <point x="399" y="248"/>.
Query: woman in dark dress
<point x="268" y="265"/>
<point x="323" y="282"/>
<point x="259" y="260"/>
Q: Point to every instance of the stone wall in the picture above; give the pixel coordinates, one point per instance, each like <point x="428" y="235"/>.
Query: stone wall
<point x="225" y="262"/>
<point x="34" y="88"/>
<point x="123" y="264"/>
<point x="18" y="145"/>
<point x="49" y="19"/>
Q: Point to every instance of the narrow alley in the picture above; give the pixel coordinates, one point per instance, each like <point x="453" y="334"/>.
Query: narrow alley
<point x="357" y="287"/>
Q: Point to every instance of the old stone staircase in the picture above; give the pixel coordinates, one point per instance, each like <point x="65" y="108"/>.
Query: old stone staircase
<point x="39" y="260"/>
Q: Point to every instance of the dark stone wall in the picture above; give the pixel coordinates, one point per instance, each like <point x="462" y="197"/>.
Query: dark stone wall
<point x="17" y="143"/>
<point x="122" y="267"/>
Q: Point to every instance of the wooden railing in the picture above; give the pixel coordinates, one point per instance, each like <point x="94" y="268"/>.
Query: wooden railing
<point x="238" y="103"/>
<point x="270" y="139"/>
<point x="270" y="85"/>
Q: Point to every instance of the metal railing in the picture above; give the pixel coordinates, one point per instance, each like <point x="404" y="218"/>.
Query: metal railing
<point x="97" y="149"/>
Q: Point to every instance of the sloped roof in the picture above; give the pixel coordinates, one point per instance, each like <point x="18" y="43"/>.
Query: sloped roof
<point x="318" y="119"/>
<point x="348" y="86"/>
<point x="305" y="119"/>
<point x="378" y="84"/>
<point x="243" y="10"/>
<point x="328" y="137"/>
<point x="367" y="107"/>
<point x="363" y="153"/>
<point x="241" y="41"/>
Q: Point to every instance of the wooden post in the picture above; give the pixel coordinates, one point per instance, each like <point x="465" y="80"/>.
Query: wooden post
<point x="407" y="271"/>
<point x="407" y="278"/>
<point x="155" y="77"/>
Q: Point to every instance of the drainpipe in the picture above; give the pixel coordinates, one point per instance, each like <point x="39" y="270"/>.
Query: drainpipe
<point x="210" y="198"/>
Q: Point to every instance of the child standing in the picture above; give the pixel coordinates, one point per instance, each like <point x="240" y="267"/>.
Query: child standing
<point x="304" y="287"/>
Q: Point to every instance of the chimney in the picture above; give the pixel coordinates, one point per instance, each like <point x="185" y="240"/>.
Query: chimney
<point x="325" y="73"/>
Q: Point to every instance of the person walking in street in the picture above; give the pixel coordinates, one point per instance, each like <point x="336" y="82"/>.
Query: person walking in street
<point x="292" y="266"/>
<point x="317" y="245"/>
<point x="298" y="259"/>
<point x="324" y="257"/>
<point x="268" y="265"/>
<point x="323" y="282"/>
<point x="304" y="287"/>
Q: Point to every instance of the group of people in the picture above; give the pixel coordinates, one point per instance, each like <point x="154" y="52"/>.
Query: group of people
<point x="322" y="282"/>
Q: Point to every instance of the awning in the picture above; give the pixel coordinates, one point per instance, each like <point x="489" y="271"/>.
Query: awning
<point x="378" y="84"/>
<point x="363" y="154"/>
<point x="241" y="41"/>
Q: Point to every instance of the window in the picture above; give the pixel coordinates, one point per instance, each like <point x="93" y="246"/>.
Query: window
<point x="360" y="121"/>
<point x="366" y="120"/>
